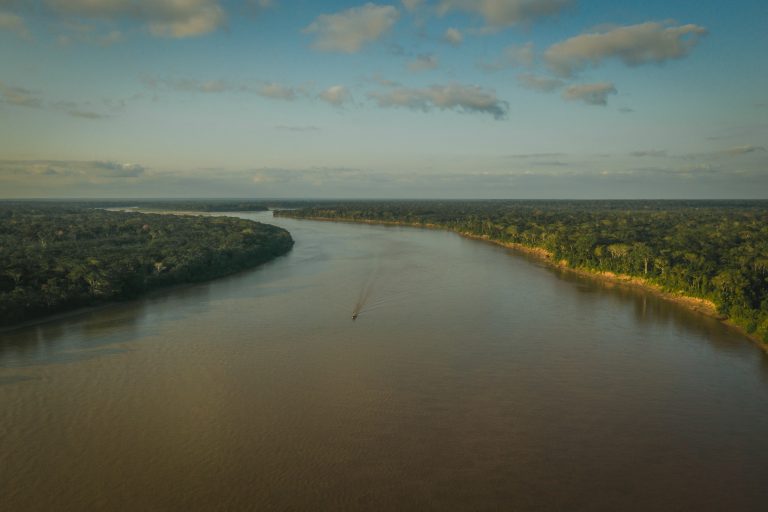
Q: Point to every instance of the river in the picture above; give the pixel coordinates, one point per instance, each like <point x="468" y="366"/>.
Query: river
<point x="474" y="379"/>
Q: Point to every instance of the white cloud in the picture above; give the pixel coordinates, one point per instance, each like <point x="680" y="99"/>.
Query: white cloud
<point x="453" y="36"/>
<point x="412" y="5"/>
<point x="444" y="97"/>
<point x="347" y="31"/>
<point x="163" y="18"/>
<point x="336" y="95"/>
<point x="539" y="83"/>
<point x="504" y="13"/>
<point x="591" y="94"/>
<point x="202" y="22"/>
<point x="634" y="45"/>
<point x="277" y="91"/>
<point x="13" y="23"/>
<point x="118" y="170"/>
<point x="423" y="62"/>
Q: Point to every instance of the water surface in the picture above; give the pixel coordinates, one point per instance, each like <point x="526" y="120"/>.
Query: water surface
<point x="474" y="379"/>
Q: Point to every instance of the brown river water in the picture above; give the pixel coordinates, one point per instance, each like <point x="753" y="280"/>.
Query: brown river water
<point x="474" y="379"/>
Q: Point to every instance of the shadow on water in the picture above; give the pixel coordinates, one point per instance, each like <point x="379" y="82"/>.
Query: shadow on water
<point x="98" y="332"/>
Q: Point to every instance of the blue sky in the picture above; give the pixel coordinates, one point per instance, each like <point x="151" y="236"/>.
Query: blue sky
<point x="430" y="98"/>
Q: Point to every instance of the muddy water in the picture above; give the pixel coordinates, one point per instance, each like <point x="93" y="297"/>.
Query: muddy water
<point x="473" y="379"/>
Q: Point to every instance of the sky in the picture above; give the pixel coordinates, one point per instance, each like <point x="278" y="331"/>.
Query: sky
<point x="402" y="99"/>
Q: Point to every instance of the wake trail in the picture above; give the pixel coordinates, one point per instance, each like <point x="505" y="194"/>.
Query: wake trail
<point x="367" y="291"/>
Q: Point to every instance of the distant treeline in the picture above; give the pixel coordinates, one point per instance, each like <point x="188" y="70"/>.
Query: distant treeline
<point x="54" y="258"/>
<point x="716" y="250"/>
<point x="185" y="205"/>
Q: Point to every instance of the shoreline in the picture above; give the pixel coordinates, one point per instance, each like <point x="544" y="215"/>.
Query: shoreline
<point x="149" y="294"/>
<point x="695" y="304"/>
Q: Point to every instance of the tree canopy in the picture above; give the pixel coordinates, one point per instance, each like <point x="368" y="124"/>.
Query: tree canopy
<point x="716" y="250"/>
<point x="56" y="257"/>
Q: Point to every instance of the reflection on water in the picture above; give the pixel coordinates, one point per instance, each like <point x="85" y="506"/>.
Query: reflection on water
<point x="98" y="331"/>
<point x="649" y="308"/>
<point x="472" y="380"/>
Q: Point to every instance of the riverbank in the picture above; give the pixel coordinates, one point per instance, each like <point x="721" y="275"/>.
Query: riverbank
<point x="695" y="304"/>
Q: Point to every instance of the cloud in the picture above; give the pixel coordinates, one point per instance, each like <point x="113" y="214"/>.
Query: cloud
<point x="539" y="83"/>
<point x="257" y="6"/>
<point x="19" y="96"/>
<point x="444" y="97"/>
<point x="13" y="23"/>
<point x="118" y="170"/>
<point x="347" y="31"/>
<point x="86" y="114"/>
<point x="504" y="13"/>
<point x="412" y="5"/>
<point x="453" y="36"/>
<point x="634" y="45"/>
<point x="513" y="56"/>
<point x="336" y="95"/>
<point x="277" y="91"/>
<point x="77" y="32"/>
<point x="59" y="171"/>
<point x="519" y="55"/>
<point x="650" y="152"/>
<point x="384" y="81"/>
<point x="266" y="89"/>
<point x="190" y="85"/>
<point x="741" y="150"/>
<point x="163" y="18"/>
<point x="313" y="177"/>
<point x="76" y="109"/>
<point x="732" y="152"/>
<point x="423" y="62"/>
<point x="591" y="94"/>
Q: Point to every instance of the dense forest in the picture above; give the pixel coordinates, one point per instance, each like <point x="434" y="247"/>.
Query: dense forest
<point x="56" y="257"/>
<point x="715" y="250"/>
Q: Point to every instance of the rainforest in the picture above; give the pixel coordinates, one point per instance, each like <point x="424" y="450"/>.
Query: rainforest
<point x="713" y="250"/>
<point x="59" y="256"/>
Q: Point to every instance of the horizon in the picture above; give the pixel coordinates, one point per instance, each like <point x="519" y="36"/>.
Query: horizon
<point x="412" y="99"/>
<point x="374" y="200"/>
